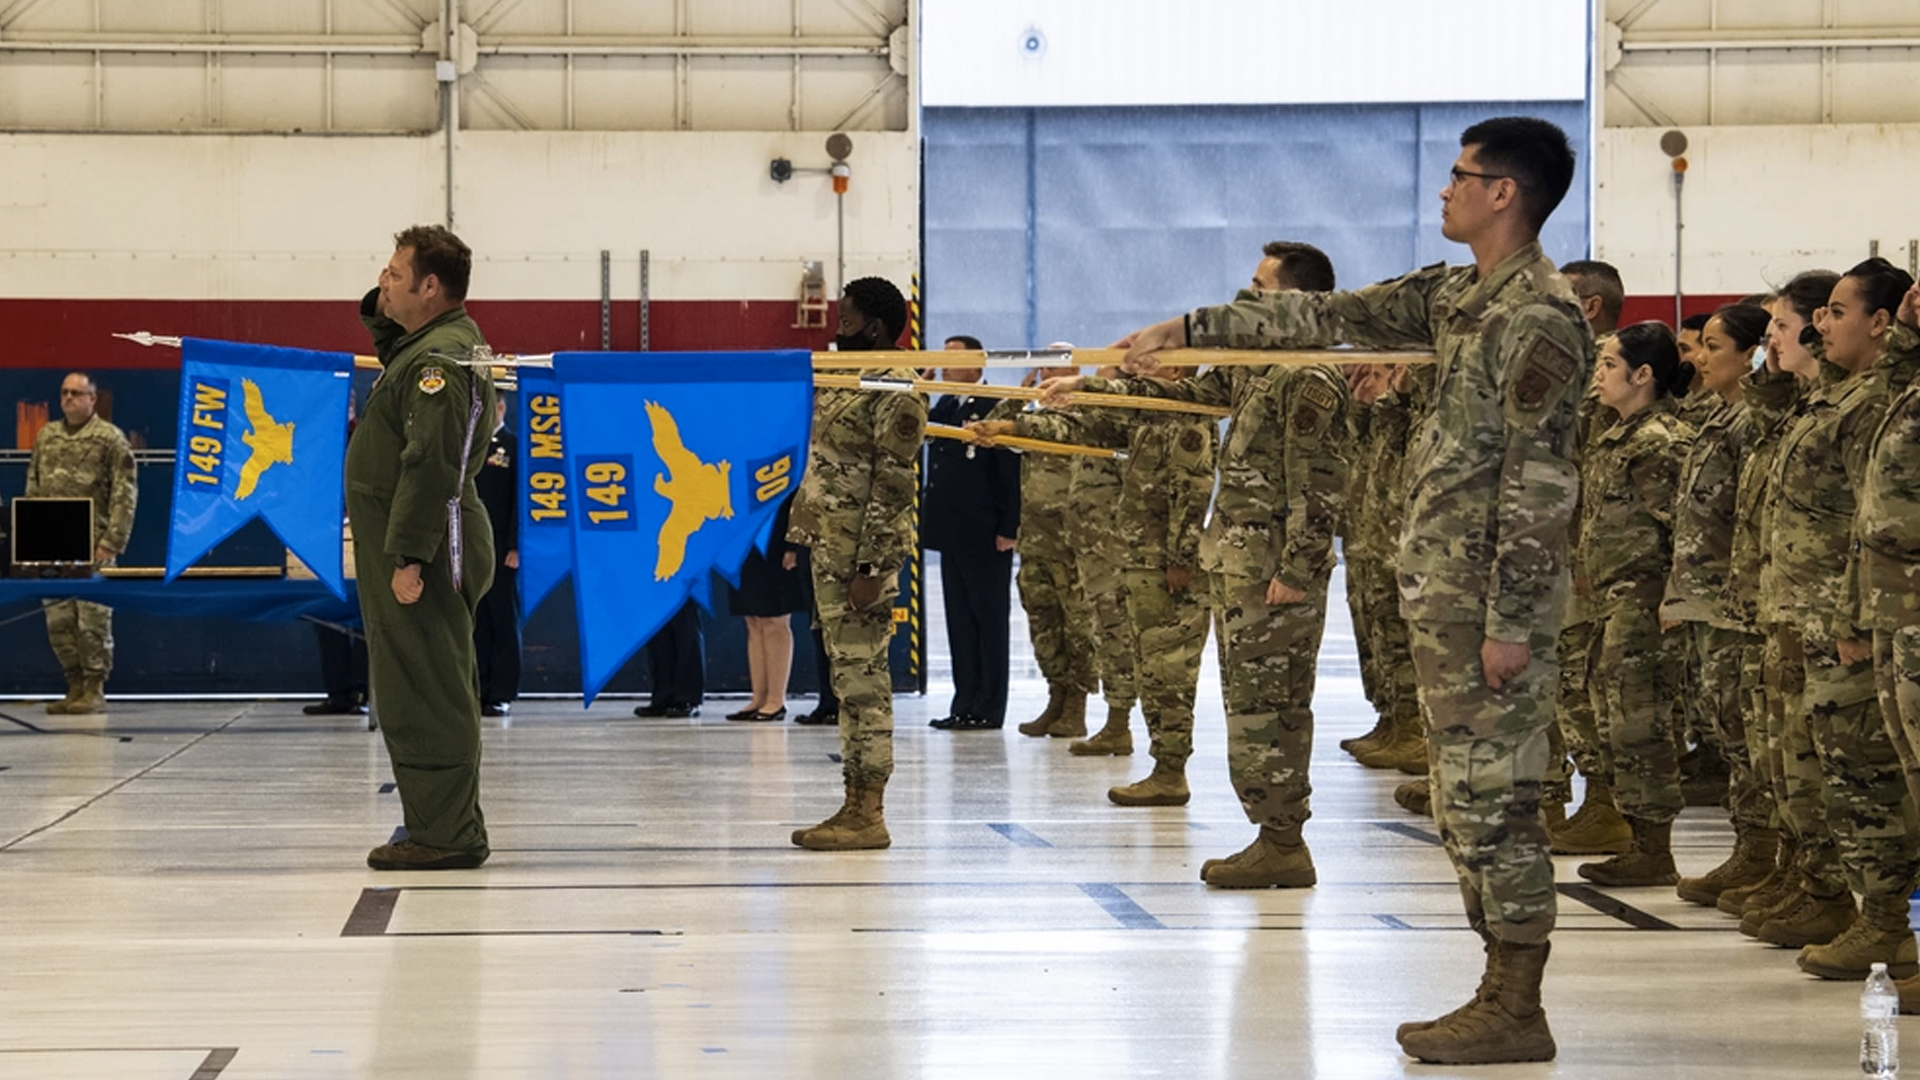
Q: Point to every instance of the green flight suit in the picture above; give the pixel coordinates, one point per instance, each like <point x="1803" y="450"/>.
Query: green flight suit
<point x="410" y="495"/>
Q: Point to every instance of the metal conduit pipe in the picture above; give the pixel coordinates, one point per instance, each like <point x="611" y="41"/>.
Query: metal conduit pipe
<point x="1904" y="37"/>
<point x="403" y="45"/>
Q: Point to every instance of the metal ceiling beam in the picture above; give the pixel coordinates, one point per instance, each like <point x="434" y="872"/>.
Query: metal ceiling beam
<point x="394" y="44"/>
<point x="271" y="44"/>
<point x="635" y="45"/>
<point x="1904" y="37"/>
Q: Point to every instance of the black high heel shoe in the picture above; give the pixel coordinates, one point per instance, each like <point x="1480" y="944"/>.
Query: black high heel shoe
<point x="768" y="717"/>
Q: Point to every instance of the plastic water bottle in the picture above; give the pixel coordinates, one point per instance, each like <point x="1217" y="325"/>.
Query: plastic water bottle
<point x="1879" y="1039"/>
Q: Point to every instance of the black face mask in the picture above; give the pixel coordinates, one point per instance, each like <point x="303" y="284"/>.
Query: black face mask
<point x="858" y="341"/>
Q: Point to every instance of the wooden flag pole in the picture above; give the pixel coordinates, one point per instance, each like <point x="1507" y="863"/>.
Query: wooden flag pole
<point x="1020" y="393"/>
<point x="1016" y="442"/>
<point x="1030" y="358"/>
<point x="501" y="364"/>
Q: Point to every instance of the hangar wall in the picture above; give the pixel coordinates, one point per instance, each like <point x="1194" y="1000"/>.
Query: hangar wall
<point x="1804" y="135"/>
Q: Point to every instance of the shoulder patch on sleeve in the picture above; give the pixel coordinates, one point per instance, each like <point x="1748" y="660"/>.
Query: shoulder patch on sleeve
<point x="432" y="380"/>
<point x="904" y="427"/>
<point x="1546" y="366"/>
<point x="1191" y="440"/>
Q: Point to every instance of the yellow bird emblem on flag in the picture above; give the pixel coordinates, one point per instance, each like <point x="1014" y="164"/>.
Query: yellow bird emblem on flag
<point x="698" y="491"/>
<point x="272" y="442"/>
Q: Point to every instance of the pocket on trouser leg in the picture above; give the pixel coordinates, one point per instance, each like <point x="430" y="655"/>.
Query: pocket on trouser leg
<point x="1487" y="804"/>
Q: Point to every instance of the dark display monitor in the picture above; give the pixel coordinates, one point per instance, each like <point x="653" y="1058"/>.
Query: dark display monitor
<point x="52" y="532"/>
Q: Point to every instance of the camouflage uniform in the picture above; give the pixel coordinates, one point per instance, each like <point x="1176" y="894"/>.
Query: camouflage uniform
<point x="854" y="514"/>
<point x="1094" y="534"/>
<point x="1483" y="553"/>
<point x="1821" y="463"/>
<point x="1170" y="469"/>
<point x="1166" y="483"/>
<point x="1768" y="398"/>
<point x="1883" y="580"/>
<point x="1574" y="718"/>
<point x="1394" y="416"/>
<point x="1716" y="635"/>
<point x="1282" y="480"/>
<point x="1626" y="546"/>
<point x="95" y="463"/>
<point x="1359" y="548"/>
<point x="1057" y="617"/>
<point x="1695" y="706"/>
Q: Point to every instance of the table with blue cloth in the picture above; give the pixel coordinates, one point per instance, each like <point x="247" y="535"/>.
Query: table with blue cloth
<point x="251" y="599"/>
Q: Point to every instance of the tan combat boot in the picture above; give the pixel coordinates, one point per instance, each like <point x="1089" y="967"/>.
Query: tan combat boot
<point x="1879" y="935"/>
<point x="75" y="679"/>
<point x="92" y="699"/>
<point x="1166" y="785"/>
<point x="1038" y="725"/>
<point x="838" y="818"/>
<point x="1072" y="721"/>
<point x="1408" y="753"/>
<point x="1489" y="985"/>
<point x="1416" y="797"/>
<point x="1762" y="907"/>
<point x="1503" y="1023"/>
<point x="1734" y="901"/>
<point x="1113" y="740"/>
<point x="862" y="825"/>
<point x="1278" y="858"/>
<point x="1382" y="730"/>
<point x="1751" y="861"/>
<point x="1406" y="742"/>
<point x="1909" y="990"/>
<point x="1813" y="920"/>
<point x="1594" y="829"/>
<point x="1648" y="862"/>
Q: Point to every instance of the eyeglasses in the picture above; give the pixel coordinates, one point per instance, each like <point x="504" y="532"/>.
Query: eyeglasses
<point x="1460" y="174"/>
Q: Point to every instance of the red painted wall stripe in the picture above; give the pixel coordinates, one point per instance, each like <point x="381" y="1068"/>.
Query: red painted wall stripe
<point x="1660" y="308"/>
<point x="56" y="333"/>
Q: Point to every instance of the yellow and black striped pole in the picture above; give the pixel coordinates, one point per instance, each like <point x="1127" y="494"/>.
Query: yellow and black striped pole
<point x="916" y="567"/>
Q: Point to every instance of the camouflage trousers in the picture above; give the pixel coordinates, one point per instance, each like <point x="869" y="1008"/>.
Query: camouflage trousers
<point x="1391" y="651"/>
<point x="857" y="641"/>
<point x="1695" y="708"/>
<point x="1753" y="713"/>
<point x="1103" y="589"/>
<point x="1868" y="810"/>
<point x="81" y="634"/>
<point x="1896" y="674"/>
<point x="1268" y="660"/>
<point x="1363" y="574"/>
<point x="1057" y="618"/>
<point x="1170" y="634"/>
<point x="1799" y="792"/>
<point x="1571" y="742"/>
<point x="1631" y="679"/>
<point x="1487" y="753"/>
<point x="1716" y="656"/>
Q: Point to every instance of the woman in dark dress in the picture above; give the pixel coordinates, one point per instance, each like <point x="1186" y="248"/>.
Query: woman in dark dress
<point x="770" y="591"/>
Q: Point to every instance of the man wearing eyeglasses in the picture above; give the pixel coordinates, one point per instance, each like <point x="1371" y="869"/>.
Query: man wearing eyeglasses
<point x="1483" y="549"/>
<point x="85" y="457"/>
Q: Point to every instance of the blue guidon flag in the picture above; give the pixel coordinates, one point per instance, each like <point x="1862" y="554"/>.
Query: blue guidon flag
<point x="263" y="433"/>
<point x="676" y="464"/>
<point x="545" y="543"/>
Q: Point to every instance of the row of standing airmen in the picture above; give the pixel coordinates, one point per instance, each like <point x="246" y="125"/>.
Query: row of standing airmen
<point x="1490" y="490"/>
<point x="1745" y="570"/>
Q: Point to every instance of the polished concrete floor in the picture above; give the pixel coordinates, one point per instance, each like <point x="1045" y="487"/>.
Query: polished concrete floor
<point x="183" y="897"/>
